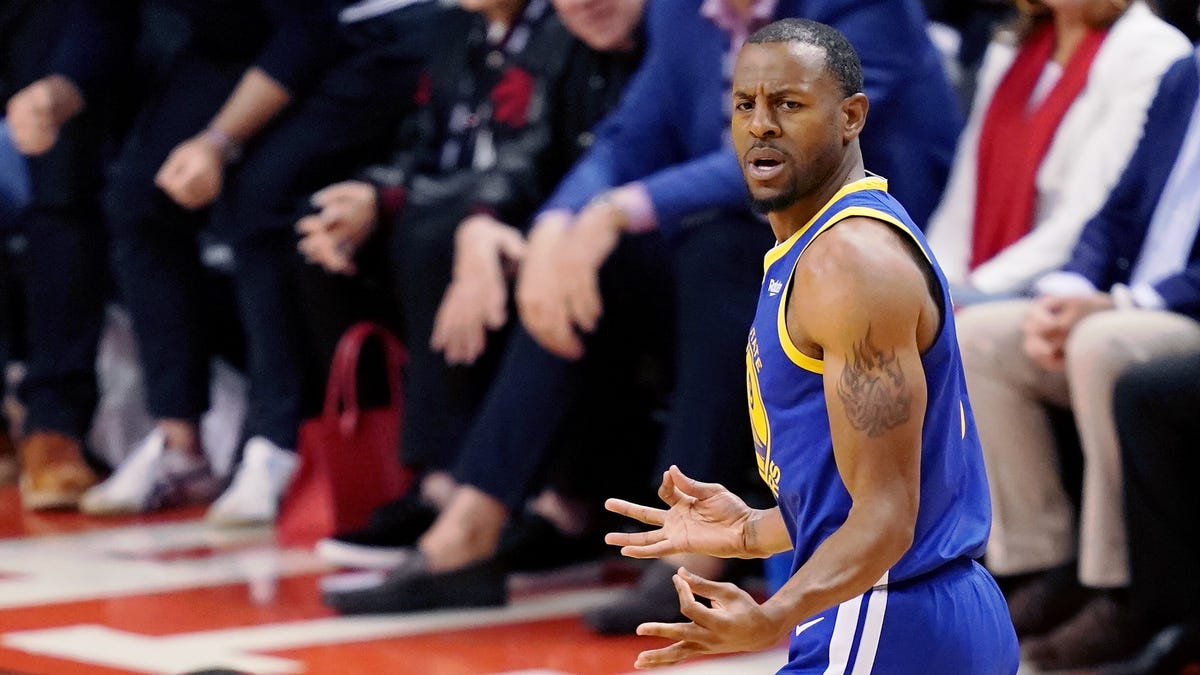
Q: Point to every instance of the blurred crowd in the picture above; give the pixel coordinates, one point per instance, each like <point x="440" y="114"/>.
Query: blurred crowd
<point x="540" y="198"/>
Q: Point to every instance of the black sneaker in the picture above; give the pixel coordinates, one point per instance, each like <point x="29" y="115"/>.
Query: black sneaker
<point x="653" y="598"/>
<point x="531" y="543"/>
<point x="386" y="540"/>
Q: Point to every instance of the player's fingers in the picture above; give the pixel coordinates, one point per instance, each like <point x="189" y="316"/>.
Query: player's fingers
<point x="671" y="631"/>
<point x="634" y="538"/>
<point x="662" y="549"/>
<point x="692" y="608"/>
<point x="692" y="486"/>
<point x="668" y="492"/>
<point x="713" y="590"/>
<point x="655" y="658"/>
<point x="640" y="513"/>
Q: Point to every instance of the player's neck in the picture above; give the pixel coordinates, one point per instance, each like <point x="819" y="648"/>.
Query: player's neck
<point x="787" y="222"/>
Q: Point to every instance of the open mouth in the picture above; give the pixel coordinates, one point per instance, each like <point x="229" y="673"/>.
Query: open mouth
<point x="764" y="163"/>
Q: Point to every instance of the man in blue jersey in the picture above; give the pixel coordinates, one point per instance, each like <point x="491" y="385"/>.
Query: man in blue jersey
<point x="858" y="407"/>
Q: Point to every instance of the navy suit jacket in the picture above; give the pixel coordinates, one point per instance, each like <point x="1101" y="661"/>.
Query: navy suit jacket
<point x="1112" y="241"/>
<point x="667" y="131"/>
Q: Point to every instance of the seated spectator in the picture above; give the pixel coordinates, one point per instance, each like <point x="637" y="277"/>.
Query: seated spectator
<point x="1182" y="15"/>
<point x="508" y="111"/>
<point x="60" y="116"/>
<point x="662" y="162"/>
<point x="976" y="22"/>
<point x="1129" y="293"/>
<point x="1155" y="404"/>
<point x="259" y="98"/>
<point x="1031" y="168"/>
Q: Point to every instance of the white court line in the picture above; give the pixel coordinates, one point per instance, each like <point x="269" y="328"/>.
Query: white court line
<point x="230" y="648"/>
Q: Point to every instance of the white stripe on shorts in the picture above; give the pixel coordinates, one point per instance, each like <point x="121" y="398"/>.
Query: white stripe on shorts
<point x="843" y="636"/>
<point x="872" y="627"/>
<point x="844" y="628"/>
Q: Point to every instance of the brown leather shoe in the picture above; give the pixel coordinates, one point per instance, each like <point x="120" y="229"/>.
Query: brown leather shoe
<point x="53" y="472"/>
<point x="1048" y="599"/>
<point x="1102" y="632"/>
<point x="8" y="459"/>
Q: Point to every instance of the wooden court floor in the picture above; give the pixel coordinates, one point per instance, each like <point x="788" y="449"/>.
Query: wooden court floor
<point x="167" y="594"/>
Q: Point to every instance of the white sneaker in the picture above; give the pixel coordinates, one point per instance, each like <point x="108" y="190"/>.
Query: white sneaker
<point x="152" y="477"/>
<point x="253" y="496"/>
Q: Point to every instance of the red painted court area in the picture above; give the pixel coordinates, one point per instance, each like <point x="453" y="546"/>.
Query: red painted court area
<point x="167" y="594"/>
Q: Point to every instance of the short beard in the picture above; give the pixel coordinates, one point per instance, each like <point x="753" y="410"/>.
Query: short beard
<point x="777" y="203"/>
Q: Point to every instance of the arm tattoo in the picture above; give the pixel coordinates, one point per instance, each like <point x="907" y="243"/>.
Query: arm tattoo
<point x="873" y="389"/>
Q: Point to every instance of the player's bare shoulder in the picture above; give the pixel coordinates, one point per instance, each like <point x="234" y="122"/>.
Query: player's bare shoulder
<point x="864" y="271"/>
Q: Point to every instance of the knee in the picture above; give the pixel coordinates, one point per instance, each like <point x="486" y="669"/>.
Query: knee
<point x="989" y="333"/>
<point x="1096" y="345"/>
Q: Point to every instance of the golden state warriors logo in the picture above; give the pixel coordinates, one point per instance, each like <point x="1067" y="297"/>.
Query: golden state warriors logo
<point x="759" y="424"/>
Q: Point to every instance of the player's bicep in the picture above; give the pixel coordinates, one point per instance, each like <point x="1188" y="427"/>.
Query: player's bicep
<point x="875" y="392"/>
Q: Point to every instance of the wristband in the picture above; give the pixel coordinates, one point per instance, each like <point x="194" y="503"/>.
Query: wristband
<point x="231" y="150"/>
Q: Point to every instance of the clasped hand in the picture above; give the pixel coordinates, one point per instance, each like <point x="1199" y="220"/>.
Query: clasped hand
<point x="558" y="292"/>
<point x="476" y="300"/>
<point x="1049" y="322"/>
<point x="346" y="217"/>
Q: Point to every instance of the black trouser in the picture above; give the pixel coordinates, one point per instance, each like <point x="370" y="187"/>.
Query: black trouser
<point x="155" y="247"/>
<point x="345" y="122"/>
<point x="710" y="276"/>
<point x="340" y="124"/>
<point x="1157" y="407"/>
<point x="63" y="283"/>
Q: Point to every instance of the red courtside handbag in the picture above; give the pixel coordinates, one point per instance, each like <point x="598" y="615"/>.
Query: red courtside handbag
<point x="349" y="457"/>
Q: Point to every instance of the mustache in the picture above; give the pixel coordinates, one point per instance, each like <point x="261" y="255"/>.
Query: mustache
<point x="765" y="145"/>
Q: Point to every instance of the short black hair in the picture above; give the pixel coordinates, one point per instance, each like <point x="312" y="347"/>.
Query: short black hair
<point x="840" y="57"/>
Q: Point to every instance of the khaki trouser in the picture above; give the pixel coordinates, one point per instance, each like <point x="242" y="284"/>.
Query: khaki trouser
<point x="1032" y="516"/>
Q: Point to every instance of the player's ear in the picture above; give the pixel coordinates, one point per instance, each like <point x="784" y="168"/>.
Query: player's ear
<point x="854" y="115"/>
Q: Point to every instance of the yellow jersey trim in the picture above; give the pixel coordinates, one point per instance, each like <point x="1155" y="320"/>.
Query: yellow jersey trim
<point x="794" y="354"/>
<point x="781" y="249"/>
<point x="785" y="339"/>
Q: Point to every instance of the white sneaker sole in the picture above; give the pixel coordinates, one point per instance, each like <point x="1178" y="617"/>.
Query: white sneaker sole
<point x="342" y="554"/>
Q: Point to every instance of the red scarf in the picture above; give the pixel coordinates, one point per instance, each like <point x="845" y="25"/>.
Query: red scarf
<point x="1014" y="140"/>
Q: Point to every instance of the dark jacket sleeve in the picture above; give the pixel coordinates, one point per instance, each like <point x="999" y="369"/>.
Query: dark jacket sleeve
<point x="303" y="42"/>
<point x="97" y="43"/>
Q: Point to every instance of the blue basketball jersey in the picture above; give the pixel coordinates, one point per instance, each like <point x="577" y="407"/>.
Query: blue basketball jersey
<point x="790" y="421"/>
<point x="936" y="610"/>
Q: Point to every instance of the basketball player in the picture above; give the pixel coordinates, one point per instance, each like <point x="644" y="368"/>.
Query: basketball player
<point x="858" y="406"/>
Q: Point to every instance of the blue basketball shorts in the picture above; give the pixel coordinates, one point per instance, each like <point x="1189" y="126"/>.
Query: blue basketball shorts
<point x="952" y="621"/>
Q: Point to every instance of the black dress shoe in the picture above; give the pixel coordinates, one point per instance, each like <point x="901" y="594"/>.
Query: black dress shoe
<point x="385" y="541"/>
<point x="412" y="587"/>
<point x="531" y="543"/>
<point x="653" y="598"/>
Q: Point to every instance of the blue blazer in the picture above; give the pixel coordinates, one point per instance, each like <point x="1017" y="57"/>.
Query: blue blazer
<point x="670" y="128"/>
<point x="1112" y="240"/>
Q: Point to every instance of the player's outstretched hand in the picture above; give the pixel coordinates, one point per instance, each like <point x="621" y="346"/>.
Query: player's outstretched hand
<point x="701" y="518"/>
<point x="734" y="623"/>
